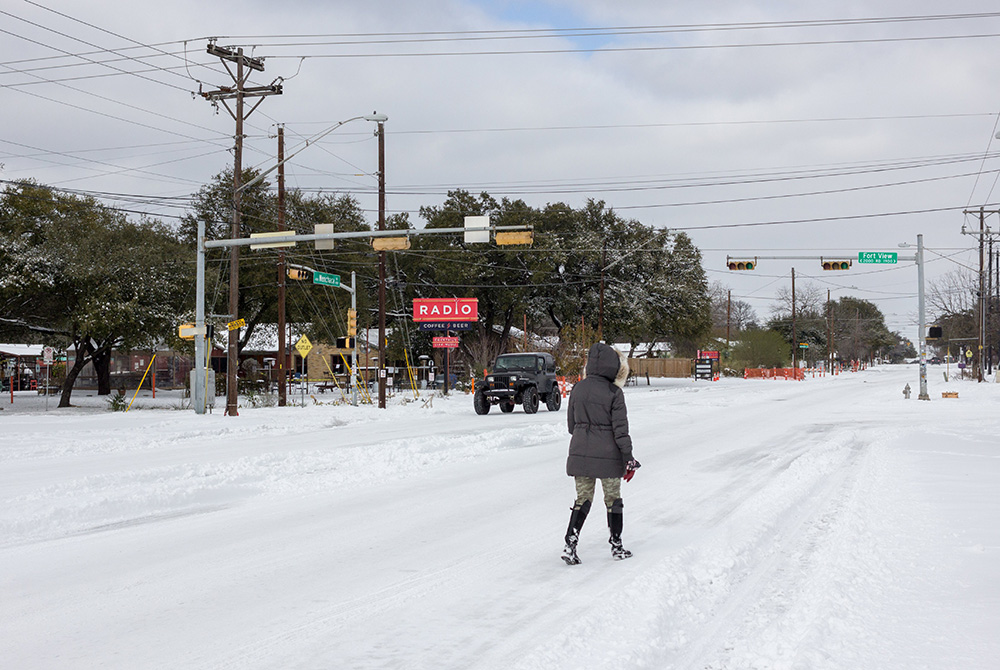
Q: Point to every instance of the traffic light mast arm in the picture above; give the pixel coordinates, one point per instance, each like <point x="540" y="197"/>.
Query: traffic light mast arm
<point x="293" y="237"/>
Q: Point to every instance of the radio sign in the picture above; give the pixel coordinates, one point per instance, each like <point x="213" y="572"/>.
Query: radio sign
<point x="445" y="309"/>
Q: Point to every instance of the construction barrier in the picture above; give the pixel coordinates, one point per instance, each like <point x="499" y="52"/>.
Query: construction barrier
<point x="774" y="373"/>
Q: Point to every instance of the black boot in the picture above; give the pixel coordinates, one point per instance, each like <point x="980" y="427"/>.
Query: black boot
<point x="615" y="524"/>
<point x="576" y="519"/>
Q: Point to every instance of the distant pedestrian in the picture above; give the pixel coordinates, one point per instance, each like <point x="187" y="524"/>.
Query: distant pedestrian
<point x="601" y="447"/>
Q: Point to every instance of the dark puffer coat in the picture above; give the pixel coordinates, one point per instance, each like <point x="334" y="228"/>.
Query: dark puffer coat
<point x="600" y="446"/>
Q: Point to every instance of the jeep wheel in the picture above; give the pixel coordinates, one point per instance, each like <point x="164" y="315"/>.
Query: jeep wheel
<point x="530" y="402"/>
<point x="481" y="403"/>
<point x="554" y="399"/>
<point x="506" y="406"/>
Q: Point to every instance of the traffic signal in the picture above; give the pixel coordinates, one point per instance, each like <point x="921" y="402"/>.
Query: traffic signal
<point x="352" y="322"/>
<point x="297" y="273"/>
<point x="934" y="333"/>
<point x="836" y="265"/>
<point x="741" y="265"/>
<point x="345" y="342"/>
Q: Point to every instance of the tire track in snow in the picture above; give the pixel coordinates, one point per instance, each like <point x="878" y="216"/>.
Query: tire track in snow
<point x="768" y="566"/>
<point x="704" y="595"/>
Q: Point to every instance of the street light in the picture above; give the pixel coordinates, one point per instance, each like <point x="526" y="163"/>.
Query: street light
<point x="200" y="384"/>
<point x="922" y="342"/>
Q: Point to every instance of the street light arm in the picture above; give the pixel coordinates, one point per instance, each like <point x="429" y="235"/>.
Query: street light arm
<point x="312" y="140"/>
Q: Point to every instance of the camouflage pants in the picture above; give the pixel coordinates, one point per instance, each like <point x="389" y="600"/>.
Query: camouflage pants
<point x="611" y="487"/>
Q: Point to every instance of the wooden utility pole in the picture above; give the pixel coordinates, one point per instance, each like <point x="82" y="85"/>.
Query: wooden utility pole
<point x="282" y="273"/>
<point x="980" y="297"/>
<point x="244" y="67"/>
<point x="381" y="273"/>
<point x="795" y="343"/>
<point x="600" y="302"/>
<point x="829" y="333"/>
<point x="729" y="311"/>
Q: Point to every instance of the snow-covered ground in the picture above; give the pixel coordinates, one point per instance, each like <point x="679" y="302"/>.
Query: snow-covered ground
<point x="828" y="523"/>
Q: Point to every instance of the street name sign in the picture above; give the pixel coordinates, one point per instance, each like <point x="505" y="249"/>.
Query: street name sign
<point x="877" y="257"/>
<point x="326" y="279"/>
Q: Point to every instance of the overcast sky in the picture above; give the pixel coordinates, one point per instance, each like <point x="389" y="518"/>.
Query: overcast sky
<point x="759" y="128"/>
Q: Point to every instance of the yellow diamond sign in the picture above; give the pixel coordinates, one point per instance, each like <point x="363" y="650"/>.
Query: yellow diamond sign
<point x="304" y="346"/>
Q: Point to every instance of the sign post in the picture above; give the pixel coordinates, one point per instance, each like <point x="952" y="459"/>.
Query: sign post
<point x="47" y="358"/>
<point x="304" y="346"/>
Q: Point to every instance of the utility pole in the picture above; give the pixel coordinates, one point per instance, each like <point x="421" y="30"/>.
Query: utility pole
<point x="729" y="312"/>
<point x="829" y="333"/>
<point x="381" y="270"/>
<point x="600" y="302"/>
<point x="795" y="343"/>
<point x="282" y="273"/>
<point x="988" y="318"/>
<point x="981" y="300"/>
<point x="244" y="67"/>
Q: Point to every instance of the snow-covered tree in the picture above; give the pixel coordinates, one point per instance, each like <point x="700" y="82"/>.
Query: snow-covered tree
<point x="88" y="277"/>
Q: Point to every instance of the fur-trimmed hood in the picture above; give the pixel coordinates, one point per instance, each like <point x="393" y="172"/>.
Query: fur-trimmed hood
<point x="604" y="361"/>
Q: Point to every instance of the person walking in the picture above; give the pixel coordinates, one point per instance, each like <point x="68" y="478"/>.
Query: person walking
<point x="601" y="447"/>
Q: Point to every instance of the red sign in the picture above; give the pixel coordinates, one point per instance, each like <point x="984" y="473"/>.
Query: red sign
<point x="714" y="355"/>
<point x="445" y="309"/>
<point x="445" y="342"/>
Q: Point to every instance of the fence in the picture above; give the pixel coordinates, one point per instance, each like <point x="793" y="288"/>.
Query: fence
<point x="661" y="367"/>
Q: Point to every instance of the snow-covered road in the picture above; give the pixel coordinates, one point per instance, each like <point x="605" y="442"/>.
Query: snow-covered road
<point x="820" y="524"/>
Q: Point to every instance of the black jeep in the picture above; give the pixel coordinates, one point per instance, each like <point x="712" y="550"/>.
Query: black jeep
<point x="525" y="379"/>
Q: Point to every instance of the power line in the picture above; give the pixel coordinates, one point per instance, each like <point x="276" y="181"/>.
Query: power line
<point x="641" y="29"/>
<point x="114" y="34"/>
<point x="76" y="39"/>
<point x="674" y="47"/>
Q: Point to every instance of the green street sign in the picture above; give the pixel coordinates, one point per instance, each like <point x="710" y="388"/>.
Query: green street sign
<point x="877" y="257"/>
<point x="326" y="279"/>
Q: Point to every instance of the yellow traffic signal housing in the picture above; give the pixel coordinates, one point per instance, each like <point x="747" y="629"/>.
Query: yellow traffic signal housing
<point x="390" y="243"/>
<point x="352" y="322"/>
<point x="297" y="273"/>
<point x="518" y="237"/>
<point x="345" y="342"/>
<point x="837" y="265"/>
<point x="934" y="333"/>
<point x="742" y="265"/>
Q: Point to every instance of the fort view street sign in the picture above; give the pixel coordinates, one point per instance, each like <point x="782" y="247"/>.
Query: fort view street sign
<point x="877" y="257"/>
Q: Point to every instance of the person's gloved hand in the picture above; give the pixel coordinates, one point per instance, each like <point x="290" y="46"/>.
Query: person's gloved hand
<point x="630" y="469"/>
